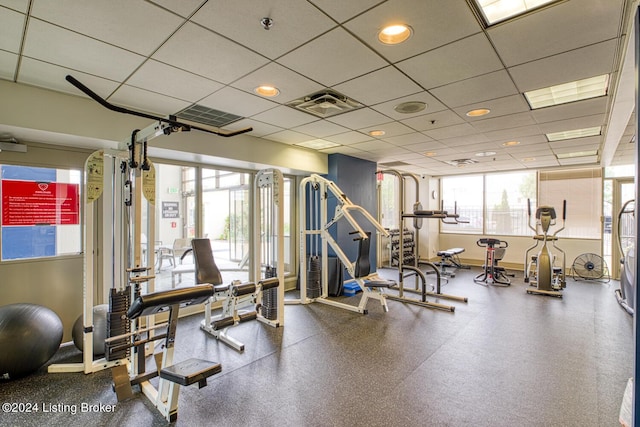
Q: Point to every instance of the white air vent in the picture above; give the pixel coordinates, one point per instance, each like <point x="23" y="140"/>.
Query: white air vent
<point x="461" y="162"/>
<point x="325" y="103"/>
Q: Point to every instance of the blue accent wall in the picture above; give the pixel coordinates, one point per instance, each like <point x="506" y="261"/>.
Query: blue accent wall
<point x="357" y="180"/>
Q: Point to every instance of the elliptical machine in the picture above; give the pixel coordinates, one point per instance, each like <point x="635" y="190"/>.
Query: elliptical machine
<point x="543" y="276"/>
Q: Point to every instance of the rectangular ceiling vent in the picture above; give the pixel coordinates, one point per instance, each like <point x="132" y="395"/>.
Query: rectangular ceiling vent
<point x="461" y="162"/>
<point x="325" y="103"/>
<point x="393" y="164"/>
<point x="207" y="116"/>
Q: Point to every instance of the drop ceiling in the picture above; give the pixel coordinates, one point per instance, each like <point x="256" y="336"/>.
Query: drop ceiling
<point x="164" y="56"/>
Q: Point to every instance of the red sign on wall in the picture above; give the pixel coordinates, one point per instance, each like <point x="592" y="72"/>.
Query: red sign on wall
<point x="38" y="203"/>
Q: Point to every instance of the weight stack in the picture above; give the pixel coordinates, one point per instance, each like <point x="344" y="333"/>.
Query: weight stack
<point x="118" y="324"/>
<point x="269" y="308"/>
<point x="314" y="276"/>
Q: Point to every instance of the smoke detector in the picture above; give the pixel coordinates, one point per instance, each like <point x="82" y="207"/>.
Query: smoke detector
<point x="325" y="103"/>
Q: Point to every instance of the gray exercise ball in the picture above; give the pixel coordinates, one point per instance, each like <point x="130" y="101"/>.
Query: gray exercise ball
<point x="99" y="330"/>
<point x="30" y="335"/>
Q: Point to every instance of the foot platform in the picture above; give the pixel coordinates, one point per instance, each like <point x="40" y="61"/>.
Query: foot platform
<point x="191" y="371"/>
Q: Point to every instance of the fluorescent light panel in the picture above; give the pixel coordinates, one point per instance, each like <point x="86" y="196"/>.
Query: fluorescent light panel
<point x="571" y="134"/>
<point x="495" y="11"/>
<point x="568" y="92"/>
<point x="577" y="154"/>
<point x="317" y="144"/>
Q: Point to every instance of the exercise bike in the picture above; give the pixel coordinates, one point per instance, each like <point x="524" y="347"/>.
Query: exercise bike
<point x="543" y="276"/>
<point x="493" y="274"/>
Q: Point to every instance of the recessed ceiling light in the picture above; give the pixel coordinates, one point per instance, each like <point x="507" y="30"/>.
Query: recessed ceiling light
<point x="577" y="154"/>
<point x="317" y="144"/>
<point x="269" y="91"/>
<point x="485" y="153"/>
<point x="510" y="143"/>
<point x="528" y="159"/>
<point x="430" y="153"/>
<point x="376" y="132"/>
<point x="479" y="112"/>
<point x="568" y="92"/>
<point x="571" y="134"/>
<point x="500" y="10"/>
<point x="410" y="107"/>
<point x="394" y="34"/>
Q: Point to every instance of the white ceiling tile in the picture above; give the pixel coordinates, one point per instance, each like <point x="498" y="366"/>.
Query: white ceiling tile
<point x="294" y="23"/>
<point x="566" y="67"/>
<point x="504" y="122"/>
<point x="285" y="117"/>
<point x="368" y="89"/>
<point x="348" y="138"/>
<point x="499" y="107"/>
<point x="475" y="140"/>
<point x="433" y="121"/>
<point x="388" y="108"/>
<point x="43" y="74"/>
<point x="390" y="129"/>
<point x="569" y="24"/>
<point x="259" y="128"/>
<point x="428" y="146"/>
<point x="290" y="84"/>
<point x="431" y="21"/>
<point x="341" y="149"/>
<point x="162" y="78"/>
<point x="374" y="144"/>
<point x="320" y="129"/>
<point x="341" y="10"/>
<point x="573" y="124"/>
<point x="19" y="5"/>
<point x="151" y="102"/>
<point x="237" y="102"/>
<point x="202" y="52"/>
<point x="462" y="129"/>
<point x="141" y="29"/>
<point x="477" y="89"/>
<point x="183" y="8"/>
<point x="359" y="119"/>
<point x="460" y="60"/>
<point x="407" y="139"/>
<point x="333" y="58"/>
<point x="8" y="64"/>
<point x="11" y="30"/>
<point x="514" y="133"/>
<point x="55" y="45"/>
<point x="584" y="144"/>
<point x="287" y="137"/>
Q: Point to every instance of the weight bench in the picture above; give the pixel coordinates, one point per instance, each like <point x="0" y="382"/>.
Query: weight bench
<point x="235" y="297"/>
<point x="172" y="376"/>
<point x="449" y="258"/>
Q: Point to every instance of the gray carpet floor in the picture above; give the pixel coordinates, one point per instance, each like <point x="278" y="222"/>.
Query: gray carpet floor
<point x="505" y="358"/>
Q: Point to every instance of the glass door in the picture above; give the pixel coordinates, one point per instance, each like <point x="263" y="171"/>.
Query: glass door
<point x="617" y="193"/>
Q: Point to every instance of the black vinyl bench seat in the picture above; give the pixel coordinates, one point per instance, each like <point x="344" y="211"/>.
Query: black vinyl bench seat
<point x="191" y="371"/>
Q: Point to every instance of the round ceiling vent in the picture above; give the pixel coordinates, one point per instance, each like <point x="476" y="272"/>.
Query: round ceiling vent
<point x="410" y="107"/>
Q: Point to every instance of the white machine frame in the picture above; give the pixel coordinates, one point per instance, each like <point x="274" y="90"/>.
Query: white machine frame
<point x="343" y="210"/>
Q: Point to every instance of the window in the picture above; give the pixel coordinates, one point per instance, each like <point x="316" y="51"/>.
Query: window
<point x="40" y="212"/>
<point x="506" y="196"/>
<point x="582" y="189"/>
<point x="464" y="194"/>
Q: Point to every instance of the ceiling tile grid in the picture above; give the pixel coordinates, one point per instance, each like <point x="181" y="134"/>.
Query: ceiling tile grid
<point x="160" y="56"/>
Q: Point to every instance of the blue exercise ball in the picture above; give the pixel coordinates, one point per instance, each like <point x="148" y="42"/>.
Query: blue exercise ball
<point x="30" y="335"/>
<point x="99" y="330"/>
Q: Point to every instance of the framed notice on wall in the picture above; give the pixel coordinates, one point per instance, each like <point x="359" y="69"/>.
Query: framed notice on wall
<point x="170" y="209"/>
